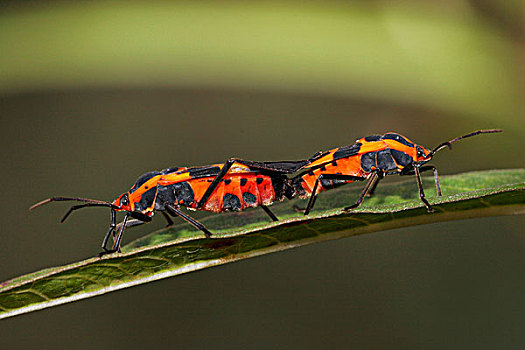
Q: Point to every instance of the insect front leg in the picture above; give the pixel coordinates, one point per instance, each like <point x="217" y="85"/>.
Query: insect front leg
<point x="111" y="230"/>
<point x="114" y="228"/>
<point x="436" y="177"/>
<point x="421" y="192"/>
<point x="116" y="244"/>
<point x="426" y="168"/>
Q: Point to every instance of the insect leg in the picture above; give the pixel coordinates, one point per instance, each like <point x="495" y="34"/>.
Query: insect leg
<point x="374" y="178"/>
<point x="130" y="223"/>
<point x="298" y="208"/>
<point x="215" y="182"/>
<point x="269" y="212"/>
<point x="116" y="245"/>
<point x="111" y="230"/>
<point x="173" y="211"/>
<point x="436" y="177"/>
<point x="168" y="219"/>
<point x="373" y="187"/>
<point x="421" y="192"/>
<point x="313" y="196"/>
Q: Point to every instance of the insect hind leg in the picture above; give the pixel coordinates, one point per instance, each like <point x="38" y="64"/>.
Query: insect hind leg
<point x="269" y="212"/>
<point x="168" y="219"/>
<point x="173" y="211"/>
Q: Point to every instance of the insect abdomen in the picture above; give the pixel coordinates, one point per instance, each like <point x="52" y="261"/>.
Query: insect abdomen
<point x="233" y="193"/>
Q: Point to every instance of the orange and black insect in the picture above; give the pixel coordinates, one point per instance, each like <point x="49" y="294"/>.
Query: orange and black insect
<point x="233" y="186"/>
<point x="369" y="158"/>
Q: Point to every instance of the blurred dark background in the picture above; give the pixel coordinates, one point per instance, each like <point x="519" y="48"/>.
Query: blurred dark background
<point x="92" y="95"/>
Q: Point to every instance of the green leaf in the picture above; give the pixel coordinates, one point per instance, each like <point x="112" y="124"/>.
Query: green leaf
<point x="177" y="250"/>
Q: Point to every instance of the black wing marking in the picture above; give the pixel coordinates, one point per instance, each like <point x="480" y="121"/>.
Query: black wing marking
<point x="205" y="171"/>
<point x="287" y="167"/>
<point x="347" y="151"/>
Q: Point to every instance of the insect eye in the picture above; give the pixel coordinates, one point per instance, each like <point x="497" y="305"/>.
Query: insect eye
<point x="420" y="152"/>
<point x="124" y="200"/>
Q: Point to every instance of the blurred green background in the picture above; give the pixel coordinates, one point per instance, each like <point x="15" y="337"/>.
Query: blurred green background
<point x="93" y="94"/>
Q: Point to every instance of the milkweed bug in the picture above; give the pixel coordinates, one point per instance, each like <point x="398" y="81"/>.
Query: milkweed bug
<point x="232" y="186"/>
<point x="239" y="184"/>
<point x="370" y="158"/>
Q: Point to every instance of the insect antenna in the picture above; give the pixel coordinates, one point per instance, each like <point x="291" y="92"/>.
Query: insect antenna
<point x="89" y="203"/>
<point x="449" y="143"/>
